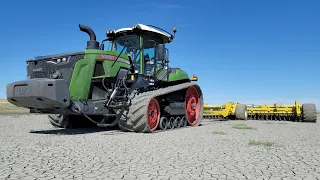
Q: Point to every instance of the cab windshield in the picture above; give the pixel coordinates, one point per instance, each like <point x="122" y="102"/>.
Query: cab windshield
<point x="131" y="45"/>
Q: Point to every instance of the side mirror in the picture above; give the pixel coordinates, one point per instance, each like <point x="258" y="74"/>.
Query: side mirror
<point x="161" y="52"/>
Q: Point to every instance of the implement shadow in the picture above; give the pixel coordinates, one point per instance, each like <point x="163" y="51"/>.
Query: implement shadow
<point x="58" y="131"/>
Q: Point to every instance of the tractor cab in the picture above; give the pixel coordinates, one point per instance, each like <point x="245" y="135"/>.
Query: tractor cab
<point x="144" y="44"/>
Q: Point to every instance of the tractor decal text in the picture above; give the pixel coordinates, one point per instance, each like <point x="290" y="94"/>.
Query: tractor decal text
<point x="112" y="58"/>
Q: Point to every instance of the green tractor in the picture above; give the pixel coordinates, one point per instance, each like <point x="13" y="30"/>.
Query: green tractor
<point x="125" y="82"/>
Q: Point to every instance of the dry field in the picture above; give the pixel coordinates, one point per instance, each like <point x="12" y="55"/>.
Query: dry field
<point x="32" y="149"/>
<point x="8" y="108"/>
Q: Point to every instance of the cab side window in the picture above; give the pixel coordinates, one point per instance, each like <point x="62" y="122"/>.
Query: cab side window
<point x="149" y="59"/>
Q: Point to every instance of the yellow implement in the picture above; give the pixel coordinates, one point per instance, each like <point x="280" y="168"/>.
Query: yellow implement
<point x="230" y="110"/>
<point x="280" y="112"/>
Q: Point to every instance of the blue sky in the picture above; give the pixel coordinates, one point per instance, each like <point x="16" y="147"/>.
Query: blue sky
<point x="248" y="51"/>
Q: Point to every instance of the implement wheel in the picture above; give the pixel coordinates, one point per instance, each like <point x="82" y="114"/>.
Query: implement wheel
<point x="309" y="113"/>
<point x="241" y="112"/>
<point x="193" y="106"/>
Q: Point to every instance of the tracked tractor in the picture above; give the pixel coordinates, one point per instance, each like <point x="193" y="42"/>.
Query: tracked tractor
<point x="125" y="80"/>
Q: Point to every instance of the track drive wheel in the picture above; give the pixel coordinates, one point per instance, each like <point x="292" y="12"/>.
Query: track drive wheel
<point x="241" y="112"/>
<point x="142" y="116"/>
<point x="193" y="106"/>
<point x="309" y="113"/>
<point x="153" y="114"/>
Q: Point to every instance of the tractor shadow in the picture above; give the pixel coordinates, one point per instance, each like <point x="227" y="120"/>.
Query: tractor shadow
<point x="58" y="131"/>
<point x="108" y="130"/>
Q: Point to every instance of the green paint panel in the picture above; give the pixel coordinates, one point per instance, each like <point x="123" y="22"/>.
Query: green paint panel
<point x="178" y="75"/>
<point x="84" y="70"/>
<point x="81" y="77"/>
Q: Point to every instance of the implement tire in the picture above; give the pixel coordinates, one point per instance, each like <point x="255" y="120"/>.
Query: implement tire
<point x="309" y="113"/>
<point x="241" y="112"/>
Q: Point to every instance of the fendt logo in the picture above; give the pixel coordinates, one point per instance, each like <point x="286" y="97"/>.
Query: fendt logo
<point x="112" y="58"/>
<point x="37" y="70"/>
<point x="107" y="57"/>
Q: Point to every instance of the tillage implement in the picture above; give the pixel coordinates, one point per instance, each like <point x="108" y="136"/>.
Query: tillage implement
<point x="127" y="83"/>
<point x="230" y="110"/>
<point x="296" y="112"/>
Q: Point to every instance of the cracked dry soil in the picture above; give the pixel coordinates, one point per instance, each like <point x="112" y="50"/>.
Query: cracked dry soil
<point x="32" y="149"/>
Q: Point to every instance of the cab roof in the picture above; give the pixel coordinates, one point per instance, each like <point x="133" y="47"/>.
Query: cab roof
<point x="155" y="33"/>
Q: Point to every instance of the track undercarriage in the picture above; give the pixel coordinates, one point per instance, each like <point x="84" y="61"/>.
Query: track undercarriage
<point x="161" y="109"/>
<point x="164" y="108"/>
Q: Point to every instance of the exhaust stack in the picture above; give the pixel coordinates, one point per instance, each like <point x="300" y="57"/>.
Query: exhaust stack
<point x="92" y="43"/>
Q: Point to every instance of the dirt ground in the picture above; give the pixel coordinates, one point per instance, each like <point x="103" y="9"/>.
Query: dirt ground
<point x="32" y="149"/>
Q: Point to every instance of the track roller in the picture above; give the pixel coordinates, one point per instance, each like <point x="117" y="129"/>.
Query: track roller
<point x="170" y="123"/>
<point x="163" y="124"/>
<point x="176" y="122"/>
<point x="184" y="122"/>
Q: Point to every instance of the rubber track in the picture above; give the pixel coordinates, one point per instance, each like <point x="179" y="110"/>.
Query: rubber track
<point x="135" y="119"/>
